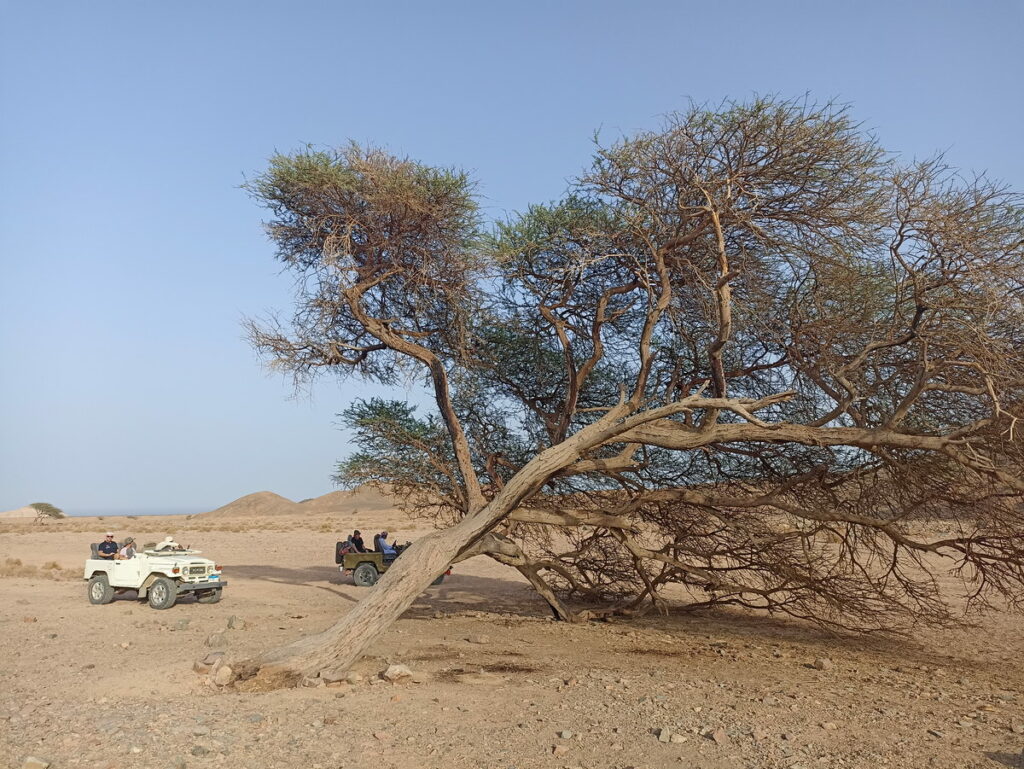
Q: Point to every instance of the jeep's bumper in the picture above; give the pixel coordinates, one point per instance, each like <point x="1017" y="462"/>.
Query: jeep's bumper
<point x="191" y="587"/>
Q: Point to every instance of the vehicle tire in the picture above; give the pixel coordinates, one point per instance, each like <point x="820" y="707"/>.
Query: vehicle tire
<point x="162" y="593"/>
<point x="209" y="596"/>
<point x="100" y="591"/>
<point x="365" y="575"/>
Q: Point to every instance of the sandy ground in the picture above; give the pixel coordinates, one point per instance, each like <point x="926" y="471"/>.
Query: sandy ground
<point x="502" y="685"/>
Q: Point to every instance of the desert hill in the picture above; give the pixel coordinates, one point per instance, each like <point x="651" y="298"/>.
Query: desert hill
<point x="261" y="503"/>
<point x="266" y="503"/>
<point x="364" y="499"/>
<point x="21" y="512"/>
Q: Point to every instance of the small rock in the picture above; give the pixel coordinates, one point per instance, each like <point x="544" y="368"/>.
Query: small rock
<point x="207" y="663"/>
<point x="215" y="639"/>
<point x="664" y="735"/>
<point x="35" y="763"/>
<point x="829" y="726"/>
<point x="823" y="663"/>
<point x="565" y="734"/>
<point x="332" y="676"/>
<point x="719" y="736"/>
<point x="559" y="750"/>
<point x="29" y="619"/>
<point x="353" y="678"/>
<point x="936" y="733"/>
<point x="1017" y="727"/>
<point x="126" y="645"/>
<point x="678" y="738"/>
<point x="254" y="718"/>
<point x="313" y="681"/>
<point x="223" y="676"/>
<point x="438" y="615"/>
<point x="396" y="673"/>
<point x="479" y="638"/>
<point x="381" y="736"/>
<point x="236" y="623"/>
<point x="199" y="750"/>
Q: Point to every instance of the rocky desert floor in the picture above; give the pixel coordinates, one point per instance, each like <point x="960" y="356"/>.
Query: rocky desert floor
<point x="498" y="685"/>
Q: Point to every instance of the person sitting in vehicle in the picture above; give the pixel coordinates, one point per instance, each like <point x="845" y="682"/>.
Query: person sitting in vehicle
<point x="127" y="551"/>
<point x="388" y="549"/>
<point x="168" y="543"/>
<point x="357" y="541"/>
<point x="107" y="548"/>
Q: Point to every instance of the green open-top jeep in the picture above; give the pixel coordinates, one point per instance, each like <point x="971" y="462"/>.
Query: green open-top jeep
<point x="367" y="567"/>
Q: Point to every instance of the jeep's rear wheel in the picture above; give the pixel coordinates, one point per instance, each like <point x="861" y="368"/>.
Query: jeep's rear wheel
<point x="208" y="596"/>
<point x="365" y="575"/>
<point x="100" y="591"/>
<point x="163" y="593"/>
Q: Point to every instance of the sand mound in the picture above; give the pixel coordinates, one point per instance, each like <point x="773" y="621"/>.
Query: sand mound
<point x="260" y="503"/>
<point x="364" y="499"/>
<point x="21" y="512"/>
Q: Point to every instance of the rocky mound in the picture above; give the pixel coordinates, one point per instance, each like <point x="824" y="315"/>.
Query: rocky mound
<point x="364" y="499"/>
<point x="21" y="512"/>
<point x="262" y="503"/>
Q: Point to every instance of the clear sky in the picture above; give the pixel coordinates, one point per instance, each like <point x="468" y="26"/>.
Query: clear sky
<point x="129" y="255"/>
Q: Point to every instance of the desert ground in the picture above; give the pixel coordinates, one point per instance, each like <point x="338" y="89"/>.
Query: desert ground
<point x="497" y="684"/>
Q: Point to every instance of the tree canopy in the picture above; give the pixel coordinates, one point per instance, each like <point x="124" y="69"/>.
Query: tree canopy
<point x="746" y="354"/>
<point x="46" y="510"/>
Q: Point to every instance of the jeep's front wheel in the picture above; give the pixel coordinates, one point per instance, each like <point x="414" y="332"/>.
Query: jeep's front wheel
<point x="365" y="575"/>
<point x="209" y="596"/>
<point x="162" y="593"/>
<point x="100" y="591"/>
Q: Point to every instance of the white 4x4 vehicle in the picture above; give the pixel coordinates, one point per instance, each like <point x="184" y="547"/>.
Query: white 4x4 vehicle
<point x="160" y="574"/>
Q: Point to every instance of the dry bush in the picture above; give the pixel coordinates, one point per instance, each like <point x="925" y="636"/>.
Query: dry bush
<point x="13" y="567"/>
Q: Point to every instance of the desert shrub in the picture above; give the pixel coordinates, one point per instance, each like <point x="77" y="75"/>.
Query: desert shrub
<point x="13" y="567"/>
<point x="46" y="510"/>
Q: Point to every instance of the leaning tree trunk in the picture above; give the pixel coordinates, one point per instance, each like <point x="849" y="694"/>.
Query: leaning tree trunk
<point x="338" y="647"/>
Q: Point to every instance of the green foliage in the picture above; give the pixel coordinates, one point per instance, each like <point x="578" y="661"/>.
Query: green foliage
<point x="45" y="508"/>
<point x="395" y="446"/>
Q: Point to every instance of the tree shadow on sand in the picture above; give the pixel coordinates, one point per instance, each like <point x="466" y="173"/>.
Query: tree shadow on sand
<point x="307" y="576"/>
<point x="1014" y="760"/>
<point x="461" y="593"/>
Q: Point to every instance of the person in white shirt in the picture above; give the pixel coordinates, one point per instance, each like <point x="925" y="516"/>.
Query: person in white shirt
<point x="127" y="550"/>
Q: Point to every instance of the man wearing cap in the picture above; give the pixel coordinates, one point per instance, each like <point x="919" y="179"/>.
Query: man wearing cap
<point x="128" y="551"/>
<point x="108" y="547"/>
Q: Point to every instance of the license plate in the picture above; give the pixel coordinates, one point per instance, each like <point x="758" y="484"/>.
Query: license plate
<point x="214" y="577"/>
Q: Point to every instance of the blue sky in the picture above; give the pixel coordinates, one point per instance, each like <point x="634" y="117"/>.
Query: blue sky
<point x="129" y="255"/>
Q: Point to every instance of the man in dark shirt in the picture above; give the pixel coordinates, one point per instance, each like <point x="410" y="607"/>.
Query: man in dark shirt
<point x="357" y="541"/>
<point x="108" y="547"/>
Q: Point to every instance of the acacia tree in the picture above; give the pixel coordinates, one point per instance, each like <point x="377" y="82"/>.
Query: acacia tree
<point x="744" y="355"/>
<point x="45" y="510"/>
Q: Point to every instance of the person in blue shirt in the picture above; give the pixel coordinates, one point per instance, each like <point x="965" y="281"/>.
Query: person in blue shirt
<point x="108" y="547"/>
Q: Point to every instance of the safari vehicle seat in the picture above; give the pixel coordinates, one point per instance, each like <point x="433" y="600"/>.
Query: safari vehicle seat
<point x="95" y="548"/>
<point x="342" y="548"/>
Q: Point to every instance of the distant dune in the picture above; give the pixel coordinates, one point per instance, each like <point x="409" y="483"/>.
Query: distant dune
<point x="266" y="503"/>
<point x="21" y="512"/>
<point x="262" y="503"/>
<point x="365" y="499"/>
